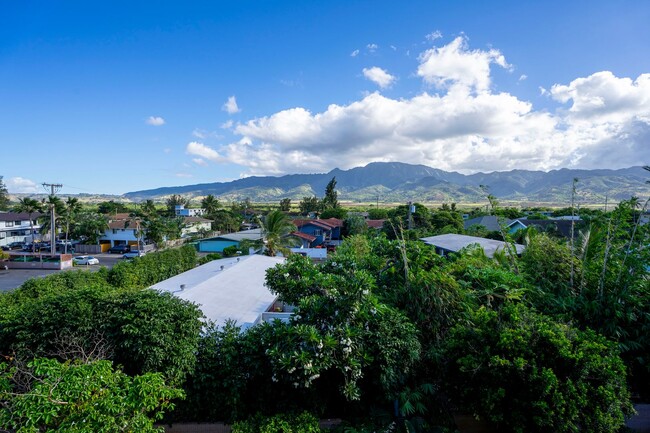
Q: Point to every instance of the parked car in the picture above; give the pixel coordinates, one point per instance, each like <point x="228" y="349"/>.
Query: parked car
<point x="85" y="260"/>
<point x="15" y="245"/>
<point x="119" y="249"/>
<point x="133" y="254"/>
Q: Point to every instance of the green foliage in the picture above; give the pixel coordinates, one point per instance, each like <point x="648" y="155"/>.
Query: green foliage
<point x="334" y="212"/>
<point x="71" y="313"/>
<point x="208" y="258"/>
<point x="231" y="251"/>
<point x="211" y="204"/>
<point x="285" y="204"/>
<point x="309" y="204"/>
<point x="523" y="372"/>
<point x="340" y="325"/>
<point x="148" y="270"/>
<point x="225" y="221"/>
<point x="173" y="201"/>
<point x="276" y="227"/>
<point x="354" y="225"/>
<point x="111" y="208"/>
<point x="281" y="423"/>
<point x="4" y="196"/>
<point x="330" y="201"/>
<point x="70" y="397"/>
<point x="377" y="214"/>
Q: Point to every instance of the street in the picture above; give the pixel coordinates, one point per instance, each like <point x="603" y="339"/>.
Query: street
<point x="13" y="278"/>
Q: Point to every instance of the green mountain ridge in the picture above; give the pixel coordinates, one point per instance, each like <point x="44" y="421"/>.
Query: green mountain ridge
<point x="399" y="182"/>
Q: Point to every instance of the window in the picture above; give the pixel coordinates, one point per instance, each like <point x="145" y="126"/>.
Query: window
<point x="318" y="232"/>
<point x="9" y="223"/>
<point x="18" y="223"/>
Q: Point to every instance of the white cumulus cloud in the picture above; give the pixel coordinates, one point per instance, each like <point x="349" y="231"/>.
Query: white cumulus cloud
<point x="372" y="47"/>
<point x="203" y="151"/>
<point x="456" y="64"/>
<point x="354" y="53"/>
<point x="230" y="106"/>
<point x="200" y="161"/>
<point x="155" y="121"/>
<point x="379" y="76"/>
<point x="434" y="35"/>
<point x="601" y="121"/>
<point x="21" y="185"/>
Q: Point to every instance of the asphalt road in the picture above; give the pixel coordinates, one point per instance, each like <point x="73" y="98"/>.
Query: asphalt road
<point x="13" y="278"/>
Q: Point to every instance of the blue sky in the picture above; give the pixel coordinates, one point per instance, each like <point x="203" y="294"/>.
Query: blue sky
<point x="111" y="97"/>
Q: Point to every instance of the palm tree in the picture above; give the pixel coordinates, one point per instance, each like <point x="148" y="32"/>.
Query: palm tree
<point x="29" y="206"/>
<point x="276" y="227"/>
<point x="72" y="208"/>
<point x="210" y="203"/>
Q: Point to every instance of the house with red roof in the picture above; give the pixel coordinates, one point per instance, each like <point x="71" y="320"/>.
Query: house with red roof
<point x="325" y="232"/>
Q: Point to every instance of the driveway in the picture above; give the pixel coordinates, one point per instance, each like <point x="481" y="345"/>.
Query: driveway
<point x="12" y="278"/>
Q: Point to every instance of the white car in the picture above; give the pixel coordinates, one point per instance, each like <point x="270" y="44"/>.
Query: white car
<point x="85" y="260"/>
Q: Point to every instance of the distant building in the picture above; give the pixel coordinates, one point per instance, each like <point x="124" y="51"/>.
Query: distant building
<point x="233" y="288"/>
<point x="452" y="243"/>
<point x="180" y="210"/>
<point x="15" y="227"/>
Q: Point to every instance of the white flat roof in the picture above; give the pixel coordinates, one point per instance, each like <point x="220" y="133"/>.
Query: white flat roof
<point x="454" y="243"/>
<point x="237" y="291"/>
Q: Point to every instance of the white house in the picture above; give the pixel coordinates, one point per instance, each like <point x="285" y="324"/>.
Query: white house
<point x="122" y="229"/>
<point x="181" y="211"/>
<point x="233" y="288"/>
<point x="15" y="227"/>
<point x="194" y="225"/>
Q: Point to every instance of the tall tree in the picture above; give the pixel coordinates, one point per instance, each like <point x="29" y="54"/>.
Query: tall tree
<point x="210" y="203"/>
<point x="31" y="207"/>
<point x="330" y="201"/>
<point x="4" y="196"/>
<point x="111" y="207"/>
<point x="275" y="228"/>
<point x="173" y="201"/>
<point x="69" y="215"/>
<point x="285" y="204"/>
<point x="309" y="204"/>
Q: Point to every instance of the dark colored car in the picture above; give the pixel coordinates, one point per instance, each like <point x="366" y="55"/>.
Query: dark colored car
<point x="15" y="245"/>
<point x="119" y="249"/>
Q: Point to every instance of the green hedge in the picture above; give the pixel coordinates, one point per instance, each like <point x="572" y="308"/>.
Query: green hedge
<point x="150" y="269"/>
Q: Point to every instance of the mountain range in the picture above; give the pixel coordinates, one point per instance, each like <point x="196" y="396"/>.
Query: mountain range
<point x="399" y="182"/>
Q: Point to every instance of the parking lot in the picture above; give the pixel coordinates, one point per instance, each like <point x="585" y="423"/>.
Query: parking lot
<point x="12" y="278"/>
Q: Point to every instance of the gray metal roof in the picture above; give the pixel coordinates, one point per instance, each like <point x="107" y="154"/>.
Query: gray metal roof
<point x="253" y="235"/>
<point x="490" y="222"/>
<point x="455" y="243"/>
<point x="237" y="291"/>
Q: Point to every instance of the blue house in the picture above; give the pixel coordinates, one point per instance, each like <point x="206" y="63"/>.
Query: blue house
<point x="325" y="231"/>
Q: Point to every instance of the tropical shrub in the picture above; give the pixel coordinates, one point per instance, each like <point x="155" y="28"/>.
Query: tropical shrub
<point x="78" y="397"/>
<point x="523" y="372"/>
<point x="281" y="423"/>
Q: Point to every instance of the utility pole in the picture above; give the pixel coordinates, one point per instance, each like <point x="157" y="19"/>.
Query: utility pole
<point x="54" y="188"/>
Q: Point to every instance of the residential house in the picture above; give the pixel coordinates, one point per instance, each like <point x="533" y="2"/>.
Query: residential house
<point x="230" y="289"/>
<point x="560" y="227"/>
<point x="326" y="231"/>
<point x="453" y="243"/>
<point x="15" y="227"/>
<point x="490" y="222"/>
<point x="194" y="225"/>
<point x="375" y="224"/>
<point x="218" y="243"/>
<point x="180" y="210"/>
<point x="122" y="229"/>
